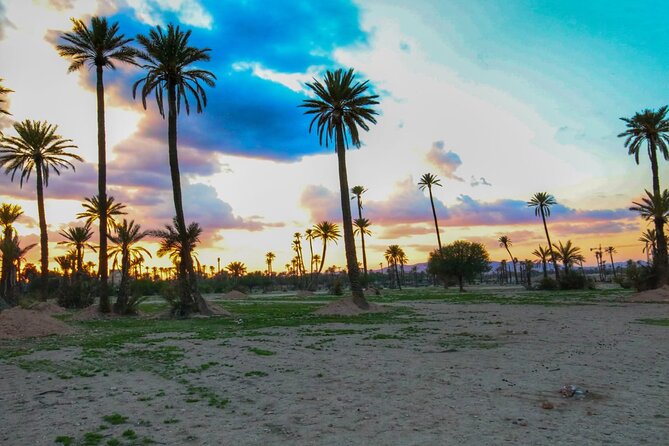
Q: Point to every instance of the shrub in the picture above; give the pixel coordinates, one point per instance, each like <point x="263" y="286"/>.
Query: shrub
<point x="336" y="287"/>
<point x="641" y="277"/>
<point x="547" y="283"/>
<point x="575" y="281"/>
<point x="78" y="294"/>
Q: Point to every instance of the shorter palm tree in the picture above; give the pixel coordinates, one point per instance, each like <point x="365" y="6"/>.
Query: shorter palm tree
<point x="650" y="241"/>
<point x="327" y="232"/>
<point x="9" y="213"/>
<point x="543" y="254"/>
<point x="505" y="242"/>
<point x="361" y="226"/>
<point x="92" y="211"/>
<point x="610" y="250"/>
<point x="394" y="255"/>
<point x="77" y="238"/>
<point x="126" y="237"/>
<point x="237" y="269"/>
<point x="269" y="258"/>
<point x="568" y="254"/>
<point x="12" y="253"/>
<point x="3" y="91"/>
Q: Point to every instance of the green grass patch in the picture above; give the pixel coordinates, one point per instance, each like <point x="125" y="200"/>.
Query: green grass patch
<point x="65" y="440"/>
<point x="659" y="322"/>
<point x="115" y="419"/>
<point x="261" y="352"/>
<point x="256" y="373"/>
<point x="468" y="341"/>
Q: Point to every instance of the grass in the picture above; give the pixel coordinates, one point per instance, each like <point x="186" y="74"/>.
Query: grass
<point x="261" y="352"/>
<point x="115" y="419"/>
<point x="468" y="341"/>
<point x="659" y="322"/>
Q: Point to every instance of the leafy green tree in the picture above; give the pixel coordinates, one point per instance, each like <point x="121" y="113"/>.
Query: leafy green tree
<point x="40" y="149"/>
<point x="505" y="242"/>
<point x="357" y="192"/>
<point x="101" y="46"/>
<point x="542" y="202"/>
<point x="168" y="58"/>
<point x="428" y="181"/>
<point x="341" y="106"/>
<point x="77" y="238"/>
<point x="651" y="128"/>
<point x="93" y="210"/>
<point x="461" y="259"/>
<point x="126" y="237"/>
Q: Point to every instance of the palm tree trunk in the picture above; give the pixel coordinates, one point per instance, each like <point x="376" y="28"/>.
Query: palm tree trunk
<point x="191" y="300"/>
<point x="515" y="273"/>
<point x="543" y="264"/>
<point x="6" y="270"/>
<point x="550" y="246"/>
<point x="43" y="236"/>
<point x="613" y="266"/>
<point x="349" y="240"/>
<point x="434" y="214"/>
<point x="102" y="192"/>
<point x="397" y="276"/>
<point x="661" y="260"/>
<point x="122" y="300"/>
<point x="362" y="242"/>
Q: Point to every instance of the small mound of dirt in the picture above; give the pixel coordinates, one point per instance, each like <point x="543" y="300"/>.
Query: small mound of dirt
<point x="48" y="308"/>
<point x="304" y="293"/>
<point x="218" y="310"/>
<point x="234" y="294"/>
<point x="346" y="307"/>
<point x="17" y="323"/>
<point x="659" y="295"/>
<point x="90" y="313"/>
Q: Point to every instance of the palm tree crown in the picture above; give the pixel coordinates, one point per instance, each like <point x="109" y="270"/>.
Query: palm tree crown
<point x="3" y="91"/>
<point x="650" y="127"/>
<point x="341" y="104"/>
<point x="37" y="147"/>
<point x="327" y="232"/>
<point x="568" y="254"/>
<point x="651" y="206"/>
<point x="92" y="211"/>
<point x="9" y="213"/>
<point x="77" y="238"/>
<point x="166" y="57"/>
<point x="542" y="202"/>
<point x="429" y="180"/>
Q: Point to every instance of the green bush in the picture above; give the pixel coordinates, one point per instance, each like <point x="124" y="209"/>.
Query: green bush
<point x="547" y="283"/>
<point x="575" y="281"/>
<point x="78" y="294"/>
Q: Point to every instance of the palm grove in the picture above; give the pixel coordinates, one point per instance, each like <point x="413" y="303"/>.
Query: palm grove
<point x="340" y="107"/>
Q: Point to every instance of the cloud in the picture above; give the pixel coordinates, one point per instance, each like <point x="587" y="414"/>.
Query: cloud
<point x="403" y="230"/>
<point x="446" y="162"/>
<point x="321" y="203"/>
<point x="473" y="182"/>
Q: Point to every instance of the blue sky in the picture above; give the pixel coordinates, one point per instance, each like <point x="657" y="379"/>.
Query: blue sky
<point x="500" y="99"/>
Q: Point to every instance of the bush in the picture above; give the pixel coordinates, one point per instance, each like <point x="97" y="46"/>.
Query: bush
<point x="640" y="277"/>
<point x="575" y="281"/>
<point x="78" y="294"/>
<point x="547" y="283"/>
<point x="336" y="287"/>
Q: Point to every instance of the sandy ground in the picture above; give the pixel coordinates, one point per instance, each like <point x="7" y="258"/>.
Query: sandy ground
<point x="434" y="386"/>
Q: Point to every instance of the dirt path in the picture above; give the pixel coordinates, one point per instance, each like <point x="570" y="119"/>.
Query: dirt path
<point x="469" y="375"/>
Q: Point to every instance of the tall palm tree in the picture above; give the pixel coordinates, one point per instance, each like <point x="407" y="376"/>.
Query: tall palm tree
<point x="543" y="254"/>
<point x="126" y="237"/>
<point x="93" y="210"/>
<point x="610" y="250"/>
<point x="8" y="215"/>
<point x="37" y="148"/>
<point x="342" y="105"/>
<point x="327" y="232"/>
<point x="167" y="58"/>
<point x="101" y="46"/>
<point x="428" y="181"/>
<point x="297" y="244"/>
<point x="568" y="254"/>
<point x="269" y="258"/>
<point x="542" y="202"/>
<point x="653" y="207"/>
<point x="357" y="192"/>
<point x="505" y="242"/>
<point x="651" y="128"/>
<point x="77" y="238"/>
<point x="309" y="235"/>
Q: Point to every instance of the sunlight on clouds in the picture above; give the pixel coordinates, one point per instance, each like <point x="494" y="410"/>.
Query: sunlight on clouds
<point x="293" y="81"/>
<point x="190" y="12"/>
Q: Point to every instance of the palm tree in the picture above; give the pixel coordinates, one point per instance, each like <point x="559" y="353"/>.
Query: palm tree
<point x="269" y="258"/>
<point x="505" y="242"/>
<point x="316" y="261"/>
<point x="361" y="226"/>
<point x="8" y="215"/>
<point x="652" y="128"/>
<point x="3" y="91"/>
<point x="610" y="250"/>
<point x="37" y="148"/>
<point x="100" y="46"/>
<point x="327" y="232"/>
<point x="125" y="239"/>
<point x="568" y="254"/>
<point x="309" y="235"/>
<point x="12" y="253"/>
<point x="543" y="254"/>
<point x="357" y="192"/>
<point x="428" y="181"/>
<point x="342" y="106"/>
<point x="393" y="256"/>
<point x="66" y="264"/>
<point x="167" y="57"/>
<point x="93" y="210"/>
<point x="77" y="238"/>
<point x="649" y="238"/>
<point x="542" y="202"/>
<point x="653" y="207"/>
<point x="236" y="269"/>
<point x="297" y="245"/>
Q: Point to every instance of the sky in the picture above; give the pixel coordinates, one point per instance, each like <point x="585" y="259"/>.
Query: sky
<point x="498" y="99"/>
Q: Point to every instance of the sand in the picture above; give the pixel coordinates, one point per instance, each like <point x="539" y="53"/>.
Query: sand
<point x="234" y="294"/>
<point x="49" y="308"/>
<point x="346" y="307"/>
<point x="17" y="323"/>
<point x="659" y="295"/>
<point x="427" y="382"/>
